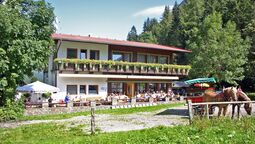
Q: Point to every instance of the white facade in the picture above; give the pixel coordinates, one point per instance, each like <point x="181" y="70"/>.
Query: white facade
<point x="94" y="80"/>
<point x="102" y="48"/>
<point x="62" y="82"/>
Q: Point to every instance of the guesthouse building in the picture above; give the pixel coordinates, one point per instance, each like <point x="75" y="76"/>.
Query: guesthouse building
<point x="86" y="66"/>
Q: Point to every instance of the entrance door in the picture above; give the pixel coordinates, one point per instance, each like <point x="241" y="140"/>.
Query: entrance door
<point x="130" y="89"/>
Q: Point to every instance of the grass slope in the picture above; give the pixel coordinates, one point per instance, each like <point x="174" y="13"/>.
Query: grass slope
<point x="109" y="111"/>
<point x="201" y="131"/>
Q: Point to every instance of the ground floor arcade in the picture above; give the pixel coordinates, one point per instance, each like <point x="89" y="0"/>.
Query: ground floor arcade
<point x="101" y="86"/>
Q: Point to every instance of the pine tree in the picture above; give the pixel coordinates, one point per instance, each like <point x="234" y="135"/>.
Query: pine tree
<point x="165" y="25"/>
<point x="147" y="37"/>
<point x="191" y="16"/>
<point x="146" y="25"/>
<point x="132" y="35"/>
<point x="174" y="35"/>
<point x="149" y="24"/>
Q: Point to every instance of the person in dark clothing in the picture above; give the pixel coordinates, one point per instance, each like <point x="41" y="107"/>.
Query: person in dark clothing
<point x="50" y="101"/>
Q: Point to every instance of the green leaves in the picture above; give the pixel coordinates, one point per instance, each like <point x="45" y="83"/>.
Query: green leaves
<point x="219" y="51"/>
<point x="25" y="32"/>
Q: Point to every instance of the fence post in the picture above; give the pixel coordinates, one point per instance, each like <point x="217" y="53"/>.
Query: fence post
<point x="114" y="101"/>
<point x="167" y="99"/>
<point x="151" y="100"/>
<point x="93" y="125"/>
<point x="69" y="104"/>
<point x="133" y="101"/>
<point x="207" y="111"/>
<point x="45" y="104"/>
<point x="190" y="111"/>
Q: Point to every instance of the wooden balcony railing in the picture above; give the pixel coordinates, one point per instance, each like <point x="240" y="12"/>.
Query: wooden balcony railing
<point x="108" y="66"/>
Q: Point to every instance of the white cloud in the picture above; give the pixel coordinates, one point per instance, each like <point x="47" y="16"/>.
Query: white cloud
<point x="152" y="11"/>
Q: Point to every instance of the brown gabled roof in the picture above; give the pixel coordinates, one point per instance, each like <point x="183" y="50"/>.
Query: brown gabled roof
<point x="89" y="39"/>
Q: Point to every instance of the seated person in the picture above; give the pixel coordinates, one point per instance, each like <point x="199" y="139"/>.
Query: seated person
<point x="138" y="95"/>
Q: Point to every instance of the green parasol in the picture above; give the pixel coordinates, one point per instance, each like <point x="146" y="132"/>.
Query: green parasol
<point x="201" y="80"/>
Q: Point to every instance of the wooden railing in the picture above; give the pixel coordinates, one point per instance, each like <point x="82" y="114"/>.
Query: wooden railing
<point x="206" y="107"/>
<point x="120" y="67"/>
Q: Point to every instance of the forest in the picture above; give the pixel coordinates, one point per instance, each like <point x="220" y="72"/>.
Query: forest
<point x="220" y="33"/>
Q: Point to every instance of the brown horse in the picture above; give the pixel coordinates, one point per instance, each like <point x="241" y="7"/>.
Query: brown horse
<point x="228" y="94"/>
<point x="241" y="96"/>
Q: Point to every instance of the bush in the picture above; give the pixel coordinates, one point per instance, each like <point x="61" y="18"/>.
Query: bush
<point x="46" y="95"/>
<point x="12" y="110"/>
<point x="251" y="96"/>
<point x="26" y="95"/>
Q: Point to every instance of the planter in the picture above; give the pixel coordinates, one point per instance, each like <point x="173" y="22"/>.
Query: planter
<point x="77" y="67"/>
<point x="143" y="70"/>
<point x="174" y="71"/>
<point x="151" y="70"/>
<point x="60" y="66"/>
<point x="136" y="69"/>
<point x="94" y="67"/>
<point x="127" y="69"/>
<point x="112" y="68"/>
<point x="178" y="71"/>
<point x="163" y="71"/>
<point x="120" y="68"/>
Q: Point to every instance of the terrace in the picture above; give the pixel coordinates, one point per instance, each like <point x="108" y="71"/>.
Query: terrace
<point x="119" y="67"/>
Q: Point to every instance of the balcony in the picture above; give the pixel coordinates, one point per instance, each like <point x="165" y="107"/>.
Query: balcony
<point x="119" y="67"/>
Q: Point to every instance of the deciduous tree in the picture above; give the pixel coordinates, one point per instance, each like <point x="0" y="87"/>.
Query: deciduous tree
<point x="218" y="50"/>
<point x="25" y="41"/>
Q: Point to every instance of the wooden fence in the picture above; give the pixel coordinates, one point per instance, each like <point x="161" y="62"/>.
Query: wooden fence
<point x="206" y="104"/>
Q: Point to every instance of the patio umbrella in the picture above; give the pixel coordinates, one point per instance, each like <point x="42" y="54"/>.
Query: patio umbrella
<point x="201" y="80"/>
<point x="179" y="84"/>
<point x="37" y="87"/>
<point x="202" y="85"/>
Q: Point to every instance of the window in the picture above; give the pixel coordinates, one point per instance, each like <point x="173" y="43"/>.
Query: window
<point x="127" y="57"/>
<point x="117" y="87"/>
<point x="162" y="59"/>
<point x="118" y="56"/>
<point x="162" y="87"/>
<point x="152" y="87"/>
<point x="71" y="89"/>
<point x="71" y="53"/>
<point x="83" y="54"/>
<point x="141" y="87"/>
<point x="94" y="55"/>
<point x="93" y="89"/>
<point x="82" y="89"/>
<point x="152" y="59"/>
<point x="141" y="58"/>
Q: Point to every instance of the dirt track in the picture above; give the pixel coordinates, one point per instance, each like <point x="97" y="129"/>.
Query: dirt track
<point x="113" y="123"/>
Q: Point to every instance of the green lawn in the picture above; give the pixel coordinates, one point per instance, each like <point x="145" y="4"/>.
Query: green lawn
<point x="200" y="132"/>
<point x="109" y="111"/>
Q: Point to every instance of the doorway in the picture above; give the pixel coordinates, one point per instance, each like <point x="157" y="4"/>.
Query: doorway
<point x="130" y="89"/>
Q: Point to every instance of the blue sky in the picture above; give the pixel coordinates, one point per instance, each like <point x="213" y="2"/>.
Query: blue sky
<point x="105" y="18"/>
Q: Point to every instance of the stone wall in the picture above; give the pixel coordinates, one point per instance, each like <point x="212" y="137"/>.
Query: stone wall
<point x="69" y="108"/>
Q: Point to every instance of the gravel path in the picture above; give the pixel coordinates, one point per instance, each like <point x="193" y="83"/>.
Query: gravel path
<point x="113" y="123"/>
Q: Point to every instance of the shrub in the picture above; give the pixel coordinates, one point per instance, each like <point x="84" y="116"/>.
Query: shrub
<point x="46" y="95"/>
<point x="26" y="95"/>
<point x="251" y="96"/>
<point x="12" y="110"/>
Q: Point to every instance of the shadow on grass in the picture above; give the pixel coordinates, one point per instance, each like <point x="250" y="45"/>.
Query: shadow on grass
<point x="178" y="112"/>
